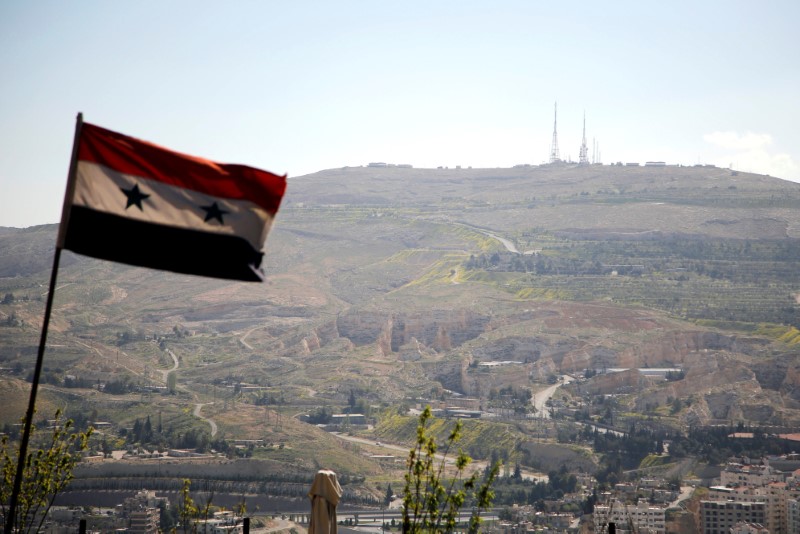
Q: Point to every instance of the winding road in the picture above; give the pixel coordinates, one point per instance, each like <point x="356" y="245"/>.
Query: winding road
<point x="199" y="405"/>
<point x="165" y="372"/>
<point x="196" y="413"/>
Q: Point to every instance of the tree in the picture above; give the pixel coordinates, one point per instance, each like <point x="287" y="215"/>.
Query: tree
<point x="137" y="431"/>
<point x="106" y="448"/>
<point x="187" y="508"/>
<point x="47" y="471"/>
<point x="431" y="503"/>
<point x="167" y="517"/>
<point x="517" y="471"/>
<point x="608" y="417"/>
<point x="148" y="430"/>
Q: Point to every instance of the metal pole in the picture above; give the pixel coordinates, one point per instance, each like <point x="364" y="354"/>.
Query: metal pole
<point x="37" y="373"/>
<point x="26" y="432"/>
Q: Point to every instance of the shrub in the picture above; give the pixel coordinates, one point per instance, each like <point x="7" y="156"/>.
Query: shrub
<point x="431" y="502"/>
<point x="46" y="472"/>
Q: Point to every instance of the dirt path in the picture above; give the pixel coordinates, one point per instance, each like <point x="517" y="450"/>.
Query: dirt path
<point x="175" y="364"/>
<point x="242" y="339"/>
<point x="196" y="413"/>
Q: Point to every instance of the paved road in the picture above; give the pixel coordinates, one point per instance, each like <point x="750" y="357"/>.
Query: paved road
<point x="540" y="399"/>
<point x="506" y="243"/>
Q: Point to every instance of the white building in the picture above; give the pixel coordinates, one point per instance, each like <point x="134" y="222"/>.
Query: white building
<point x="643" y="516"/>
<point x="736" y="474"/>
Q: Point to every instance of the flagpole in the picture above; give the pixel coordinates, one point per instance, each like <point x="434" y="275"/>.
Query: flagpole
<point x="23" y="446"/>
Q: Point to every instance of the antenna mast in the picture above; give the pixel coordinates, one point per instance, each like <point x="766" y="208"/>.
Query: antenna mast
<point x="554" y="158"/>
<point x="583" y="158"/>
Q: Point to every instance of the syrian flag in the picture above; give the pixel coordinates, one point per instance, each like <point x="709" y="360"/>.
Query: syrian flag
<point x="134" y="202"/>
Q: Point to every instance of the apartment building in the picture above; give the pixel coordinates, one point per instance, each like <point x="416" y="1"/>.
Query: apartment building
<point x="643" y="516"/>
<point x="719" y="517"/>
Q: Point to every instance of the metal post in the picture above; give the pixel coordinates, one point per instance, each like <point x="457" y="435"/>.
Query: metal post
<point x="82" y="527"/>
<point x="37" y="373"/>
<point x="246" y="525"/>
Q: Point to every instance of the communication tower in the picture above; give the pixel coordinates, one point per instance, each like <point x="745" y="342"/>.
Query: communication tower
<point x="596" y="156"/>
<point x="583" y="155"/>
<point x="554" y="157"/>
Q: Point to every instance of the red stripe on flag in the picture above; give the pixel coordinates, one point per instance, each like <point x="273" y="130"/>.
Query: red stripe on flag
<point x="135" y="157"/>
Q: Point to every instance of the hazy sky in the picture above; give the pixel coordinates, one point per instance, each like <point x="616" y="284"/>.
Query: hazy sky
<point x="297" y="87"/>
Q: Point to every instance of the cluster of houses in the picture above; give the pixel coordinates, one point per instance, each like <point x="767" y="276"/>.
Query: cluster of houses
<point x="140" y="514"/>
<point x="754" y="497"/>
<point x="750" y="497"/>
<point x="639" y="507"/>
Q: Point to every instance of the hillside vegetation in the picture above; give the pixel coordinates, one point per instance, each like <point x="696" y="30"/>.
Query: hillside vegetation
<point x="392" y="288"/>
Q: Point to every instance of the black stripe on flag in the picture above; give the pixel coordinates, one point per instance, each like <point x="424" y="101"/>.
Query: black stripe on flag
<point x="111" y="237"/>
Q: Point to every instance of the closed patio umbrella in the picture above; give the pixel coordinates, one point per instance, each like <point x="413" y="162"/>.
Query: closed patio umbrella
<point x="324" y="494"/>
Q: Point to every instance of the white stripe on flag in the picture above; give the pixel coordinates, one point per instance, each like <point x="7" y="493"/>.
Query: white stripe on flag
<point x="100" y="188"/>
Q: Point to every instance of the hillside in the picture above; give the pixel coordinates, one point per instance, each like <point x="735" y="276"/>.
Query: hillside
<point x="388" y="284"/>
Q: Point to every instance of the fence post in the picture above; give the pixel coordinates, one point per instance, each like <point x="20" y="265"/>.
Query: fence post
<point x="82" y="526"/>
<point x="246" y="525"/>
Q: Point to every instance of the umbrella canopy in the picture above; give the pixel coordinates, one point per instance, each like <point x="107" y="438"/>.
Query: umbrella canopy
<point x="324" y="494"/>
